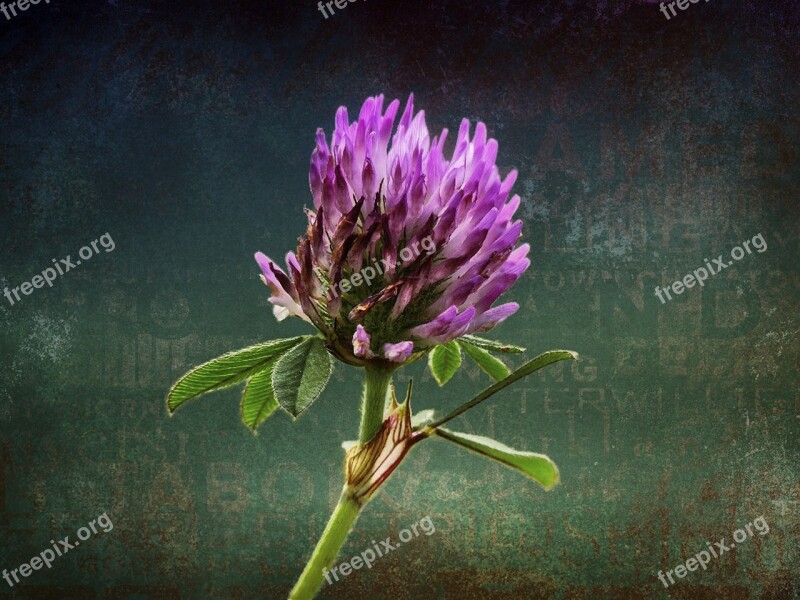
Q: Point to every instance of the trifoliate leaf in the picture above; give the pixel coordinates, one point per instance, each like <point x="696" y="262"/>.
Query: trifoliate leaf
<point x="258" y="399"/>
<point x="301" y="374"/>
<point x="536" y="466"/>
<point x="541" y="361"/>
<point x="444" y="360"/>
<point x="494" y="367"/>
<point x="491" y="345"/>
<point x="229" y="369"/>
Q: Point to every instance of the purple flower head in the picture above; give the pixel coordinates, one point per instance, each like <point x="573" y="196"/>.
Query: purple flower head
<point x="405" y="249"/>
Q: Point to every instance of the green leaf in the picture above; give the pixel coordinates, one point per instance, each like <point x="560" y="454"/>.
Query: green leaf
<point x="258" y="399"/>
<point x="444" y="361"/>
<point x="536" y="466"/>
<point x="491" y="345"/>
<point x="494" y="367"/>
<point x="226" y="370"/>
<point x="301" y="374"/>
<point x="544" y="359"/>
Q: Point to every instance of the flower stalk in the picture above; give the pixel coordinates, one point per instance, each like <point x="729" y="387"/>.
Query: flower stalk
<point x="339" y="525"/>
<point x="366" y="469"/>
<point x="373" y="404"/>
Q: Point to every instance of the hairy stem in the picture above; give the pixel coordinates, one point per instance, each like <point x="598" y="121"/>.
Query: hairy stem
<point x="376" y="384"/>
<point x="342" y="519"/>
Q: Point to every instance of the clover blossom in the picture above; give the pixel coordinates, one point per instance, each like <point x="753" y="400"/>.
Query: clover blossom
<point x="358" y="275"/>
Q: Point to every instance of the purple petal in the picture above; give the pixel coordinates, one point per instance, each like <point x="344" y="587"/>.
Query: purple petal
<point x="284" y="295"/>
<point x="486" y="321"/>
<point x="319" y="167"/>
<point x="501" y="280"/>
<point x="399" y="352"/>
<point x="361" y="343"/>
<point x="458" y="293"/>
<point x="447" y="326"/>
<point x="468" y="237"/>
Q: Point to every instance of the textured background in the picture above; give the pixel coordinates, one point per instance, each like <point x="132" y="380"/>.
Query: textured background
<point x="184" y="131"/>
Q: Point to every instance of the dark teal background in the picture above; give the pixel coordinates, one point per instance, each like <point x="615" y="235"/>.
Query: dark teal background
<point x="184" y="130"/>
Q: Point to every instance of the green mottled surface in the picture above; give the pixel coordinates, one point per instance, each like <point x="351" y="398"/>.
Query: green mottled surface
<point x="184" y="131"/>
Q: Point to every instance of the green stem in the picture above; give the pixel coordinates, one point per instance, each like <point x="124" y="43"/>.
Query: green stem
<point x="342" y="519"/>
<point x="376" y="384"/>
